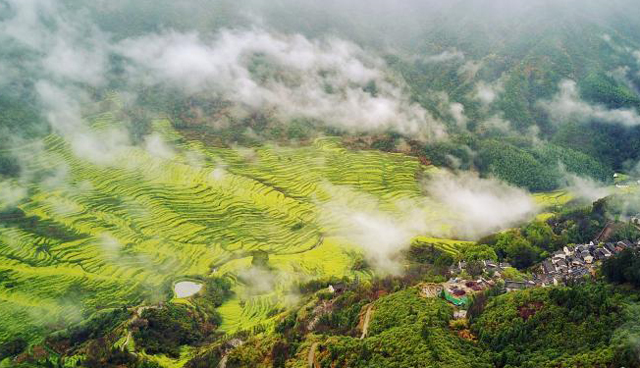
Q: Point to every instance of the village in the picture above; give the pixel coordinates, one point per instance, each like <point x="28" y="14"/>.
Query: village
<point x="574" y="263"/>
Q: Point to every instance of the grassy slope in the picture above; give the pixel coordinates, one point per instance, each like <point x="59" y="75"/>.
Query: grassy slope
<point x="128" y="230"/>
<point x="121" y="234"/>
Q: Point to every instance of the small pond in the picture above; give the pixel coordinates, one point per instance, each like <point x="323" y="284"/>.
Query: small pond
<point x="185" y="289"/>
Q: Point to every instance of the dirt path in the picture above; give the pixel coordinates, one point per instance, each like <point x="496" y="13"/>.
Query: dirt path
<point x="605" y="233"/>
<point x="137" y="313"/>
<point x="367" y="318"/>
<point x="311" y="358"/>
<point x="223" y="362"/>
<point x="232" y="345"/>
<point x="318" y="312"/>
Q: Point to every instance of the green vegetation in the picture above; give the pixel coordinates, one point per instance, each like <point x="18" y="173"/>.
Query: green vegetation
<point x="590" y="324"/>
<point x="516" y="166"/>
<point x="624" y="267"/>
<point x="554" y="327"/>
<point x="405" y="331"/>
<point x="450" y="246"/>
<point x="537" y="168"/>
<point x="164" y="330"/>
<point x="12" y="348"/>
<point x="611" y="144"/>
<point x="479" y="252"/>
<point x="604" y="89"/>
<point x="535" y="241"/>
<point x="121" y="236"/>
<point x="94" y="245"/>
<point x="254" y="199"/>
<point x="525" y="246"/>
<point x="98" y="326"/>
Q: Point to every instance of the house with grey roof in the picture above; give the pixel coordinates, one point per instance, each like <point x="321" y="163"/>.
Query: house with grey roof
<point x="548" y="267"/>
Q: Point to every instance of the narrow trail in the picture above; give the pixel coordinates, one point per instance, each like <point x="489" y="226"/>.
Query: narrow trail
<point x="137" y="313"/>
<point x="604" y="235"/>
<point x="318" y="312"/>
<point x="126" y="342"/>
<point x="223" y="362"/>
<point x="311" y="358"/>
<point x="367" y="318"/>
<point x="234" y="343"/>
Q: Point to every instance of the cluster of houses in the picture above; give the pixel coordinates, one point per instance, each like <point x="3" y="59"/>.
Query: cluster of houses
<point x="458" y="288"/>
<point x="576" y="262"/>
<point x="496" y="270"/>
<point x="488" y="267"/>
<point x="572" y="263"/>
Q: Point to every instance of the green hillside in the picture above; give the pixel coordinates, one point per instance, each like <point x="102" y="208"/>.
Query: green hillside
<point x="122" y="234"/>
<point x="319" y="184"/>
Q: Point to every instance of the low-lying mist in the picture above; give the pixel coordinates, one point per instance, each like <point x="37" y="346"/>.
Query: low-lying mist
<point x="482" y="205"/>
<point x="457" y="206"/>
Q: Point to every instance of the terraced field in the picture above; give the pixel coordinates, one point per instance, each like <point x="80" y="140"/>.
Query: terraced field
<point x="555" y="198"/>
<point x="446" y="245"/>
<point x="102" y="235"/>
<point x="96" y="234"/>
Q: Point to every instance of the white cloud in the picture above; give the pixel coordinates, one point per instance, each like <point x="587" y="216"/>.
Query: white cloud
<point x="69" y="53"/>
<point x="621" y="74"/>
<point x="71" y="48"/>
<point x="585" y="188"/>
<point x="11" y="193"/>
<point x="636" y="54"/>
<point x="497" y="123"/>
<point x="330" y="81"/>
<point x="381" y="235"/>
<point x="457" y="111"/>
<point x="447" y="55"/>
<point x="469" y="70"/>
<point x="26" y="24"/>
<point x="67" y="60"/>
<point x="483" y="206"/>
<point x="488" y="92"/>
<point x="63" y="107"/>
<point x="458" y="205"/>
<point x="294" y="76"/>
<point x="157" y="147"/>
<point x="567" y="105"/>
<point x="258" y="281"/>
<point x="103" y="147"/>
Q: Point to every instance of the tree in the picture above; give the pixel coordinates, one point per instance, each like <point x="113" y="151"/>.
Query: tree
<point x="540" y="234"/>
<point x="260" y="258"/>
<point x="479" y="252"/>
<point x="521" y="253"/>
<point x="217" y="290"/>
<point x="12" y="347"/>
<point x="474" y="268"/>
<point x="443" y="260"/>
<point x="623" y="267"/>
